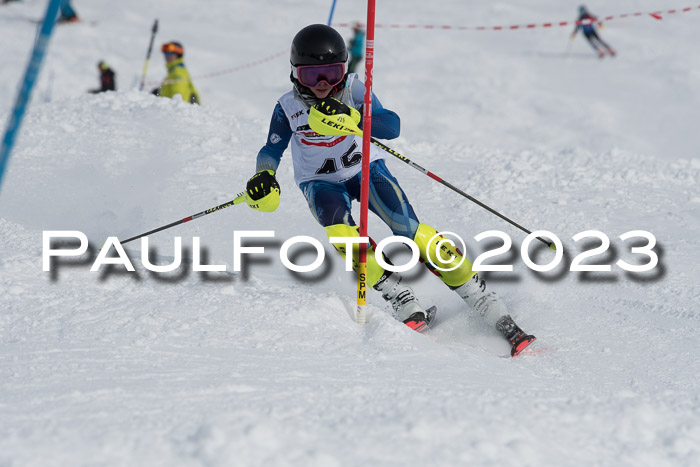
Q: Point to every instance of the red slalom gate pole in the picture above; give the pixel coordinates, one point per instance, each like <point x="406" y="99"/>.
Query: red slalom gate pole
<point x="361" y="316"/>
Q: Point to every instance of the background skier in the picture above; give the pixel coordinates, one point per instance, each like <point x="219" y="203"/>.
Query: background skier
<point x="107" y="78"/>
<point x="356" y="47"/>
<point x="327" y="170"/>
<point x="178" y="80"/>
<point x="590" y="33"/>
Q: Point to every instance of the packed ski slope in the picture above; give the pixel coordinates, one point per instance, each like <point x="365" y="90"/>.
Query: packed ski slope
<point x="266" y="367"/>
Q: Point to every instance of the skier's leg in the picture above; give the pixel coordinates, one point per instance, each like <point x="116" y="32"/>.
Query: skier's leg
<point x="374" y="270"/>
<point x="610" y="50"/>
<point x="593" y="39"/>
<point x="330" y="204"/>
<point x="406" y="306"/>
<point x="469" y="286"/>
<point x="389" y="202"/>
<point x="440" y="256"/>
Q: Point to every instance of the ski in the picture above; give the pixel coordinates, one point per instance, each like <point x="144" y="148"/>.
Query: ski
<point x="518" y="339"/>
<point x="520" y="343"/>
<point x="420" y="323"/>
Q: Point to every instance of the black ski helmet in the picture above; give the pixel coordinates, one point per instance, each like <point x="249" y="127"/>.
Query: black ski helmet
<point x="318" y="44"/>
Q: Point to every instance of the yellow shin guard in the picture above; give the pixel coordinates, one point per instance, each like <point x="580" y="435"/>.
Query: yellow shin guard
<point x="427" y="240"/>
<point x="374" y="270"/>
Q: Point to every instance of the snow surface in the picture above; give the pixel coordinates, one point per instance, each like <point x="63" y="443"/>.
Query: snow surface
<point x="266" y="367"/>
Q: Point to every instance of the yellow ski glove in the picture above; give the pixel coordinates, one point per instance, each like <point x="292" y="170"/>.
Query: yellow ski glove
<point x="332" y="106"/>
<point x="262" y="192"/>
<point x="333" y="118"/>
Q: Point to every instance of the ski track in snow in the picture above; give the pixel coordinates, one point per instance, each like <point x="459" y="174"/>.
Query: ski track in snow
<point x="267" y="368"/>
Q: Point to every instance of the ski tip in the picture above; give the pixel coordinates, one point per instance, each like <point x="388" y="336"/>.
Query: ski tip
<point x="521" y="345"/>
<point x="418" y="326"/>
<point x="421" y="323"/>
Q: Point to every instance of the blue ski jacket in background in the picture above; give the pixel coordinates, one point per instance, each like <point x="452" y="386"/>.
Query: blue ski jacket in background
<point x="588" y="29"/>
<point x="357" y="43"/>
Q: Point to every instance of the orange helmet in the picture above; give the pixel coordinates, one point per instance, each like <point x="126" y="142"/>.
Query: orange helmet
<point x="173" y="48"/>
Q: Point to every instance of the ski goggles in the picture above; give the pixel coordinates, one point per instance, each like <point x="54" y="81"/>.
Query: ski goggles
<point x="170" y="48"/>
<point x="311" y="75"/>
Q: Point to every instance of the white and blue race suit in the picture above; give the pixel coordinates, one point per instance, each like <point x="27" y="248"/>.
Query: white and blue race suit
<point x="327" y="168"/>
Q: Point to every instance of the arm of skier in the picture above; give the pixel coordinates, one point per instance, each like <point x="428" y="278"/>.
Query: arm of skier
<point x="578" y="26"/>
<point x="262" y="190"/>
<point x="278" y="137"/>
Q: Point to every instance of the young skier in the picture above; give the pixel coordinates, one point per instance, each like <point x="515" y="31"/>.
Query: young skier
<point x="178" y="80"/>
<point x="590" y="33"/>
<point x="356" y="47"/>
<point x="327" y="170"/>
<point x="107" y="82"/>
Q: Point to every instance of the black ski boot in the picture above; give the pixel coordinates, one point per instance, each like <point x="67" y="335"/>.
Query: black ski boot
<point x="513" y="334"/>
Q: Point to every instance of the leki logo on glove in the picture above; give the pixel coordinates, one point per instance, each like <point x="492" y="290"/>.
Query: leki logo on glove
<point x="337" y="124"/>
<point x="440" y="252"/>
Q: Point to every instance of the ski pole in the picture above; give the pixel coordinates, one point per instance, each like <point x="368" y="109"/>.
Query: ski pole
<point x="342" y="124"/>
<point x="148" y="55"/>
<point x="455" y="189"/>
<point x="568" y="46"/>
<point x="239" y="199"/>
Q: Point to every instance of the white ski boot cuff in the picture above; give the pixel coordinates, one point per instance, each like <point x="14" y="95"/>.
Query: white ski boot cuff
<point x="489" y="305"/>
<point x="400" y="296"/>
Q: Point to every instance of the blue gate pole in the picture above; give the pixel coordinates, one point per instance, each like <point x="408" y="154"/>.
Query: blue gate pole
<point x="330" y="17"/>
<point x="30" y="75"/>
